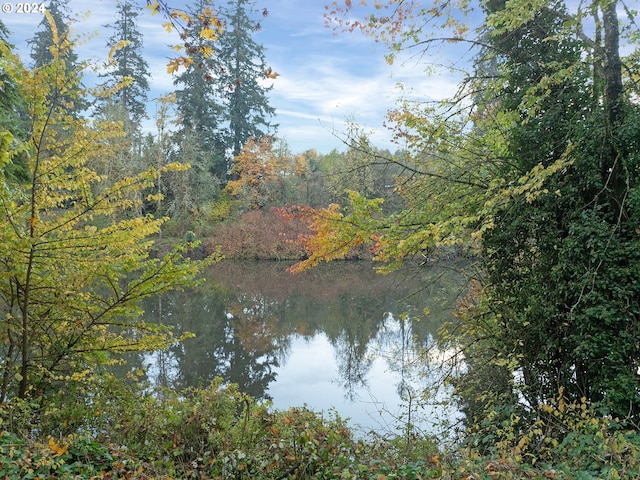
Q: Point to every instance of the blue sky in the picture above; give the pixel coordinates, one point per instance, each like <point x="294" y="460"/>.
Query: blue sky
<point x="325" y="79"/>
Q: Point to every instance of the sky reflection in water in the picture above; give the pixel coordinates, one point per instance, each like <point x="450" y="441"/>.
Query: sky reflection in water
<point x="340" y="337"/>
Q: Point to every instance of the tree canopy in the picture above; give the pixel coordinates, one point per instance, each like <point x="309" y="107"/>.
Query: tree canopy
<point x="242" y="68"/>
<point x="129" y="71"/>
<point x="531" y="170"/>
<point x="73" y="267"/>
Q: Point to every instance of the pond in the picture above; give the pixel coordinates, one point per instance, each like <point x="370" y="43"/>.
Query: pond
<point x="337" y="338"/>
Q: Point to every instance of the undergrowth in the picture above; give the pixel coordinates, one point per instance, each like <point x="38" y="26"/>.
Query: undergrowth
<point x="220" y="433"/>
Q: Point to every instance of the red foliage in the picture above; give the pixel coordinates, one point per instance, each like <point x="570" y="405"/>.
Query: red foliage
<point x="260" y="235"/>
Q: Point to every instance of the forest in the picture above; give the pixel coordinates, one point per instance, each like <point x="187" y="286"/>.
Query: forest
<point x="526" y="180"/>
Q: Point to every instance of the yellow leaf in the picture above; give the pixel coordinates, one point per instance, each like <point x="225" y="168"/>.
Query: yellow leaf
<point x="173" y="65"/>
<point x="208" y="33"/>
<point x="207" y="51"/>
<point x="154" y="7"/>
<point x="118" y="46"/>
<point x="177" y="14"/>
<point x="57" y="449"/>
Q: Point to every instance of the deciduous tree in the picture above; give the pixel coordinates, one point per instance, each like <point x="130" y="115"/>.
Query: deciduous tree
<point x="254" y="171"/>
<point x="72" y="269"/>
<point x="12" y="116"/>
<point x="538" y="175"/>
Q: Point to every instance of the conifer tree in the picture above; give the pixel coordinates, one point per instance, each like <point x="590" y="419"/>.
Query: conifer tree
<point x="43" y="39"/>
<point x="54" y="26"/>
<point x="199" y="110"/>
<point x="242" y="68"/>
<point x="128" y="63"/>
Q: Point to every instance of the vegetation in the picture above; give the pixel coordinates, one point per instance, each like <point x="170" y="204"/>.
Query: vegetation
<point x="218" y="432"/>
<point x="128" y="75"/>
<point x="241" y="65"/>
<point x="530" y="174"/>
<point x="536" y="179"/>
<point x="74" y="263"/>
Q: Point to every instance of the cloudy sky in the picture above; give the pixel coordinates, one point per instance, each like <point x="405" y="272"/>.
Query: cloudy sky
<point x="325" y="79"/>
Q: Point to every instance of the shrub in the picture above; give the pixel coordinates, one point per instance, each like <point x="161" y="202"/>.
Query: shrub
<point x="258" y="235"/>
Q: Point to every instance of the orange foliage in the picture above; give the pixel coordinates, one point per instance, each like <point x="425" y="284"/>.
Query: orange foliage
<point x="252" y="171"/>
<point x="329" y="237"/>
<point x="259" y="234"/>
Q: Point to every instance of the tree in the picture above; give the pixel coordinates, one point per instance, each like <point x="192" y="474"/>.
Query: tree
<point x="182" y="21"/>
<point x="255" y="170"/>
<point x="242" y="69"/>
<point x="562" y="268"/>
<point x="196" y="101"/>
<point x="72" y="269"/>
<point x="191" y="192"/>
<point x="539" y="177"/>
<point x="12" y="112"/>
<point x="44" y="39"/>
<point x="53" y="27"/>
<point x="129" y="72"/>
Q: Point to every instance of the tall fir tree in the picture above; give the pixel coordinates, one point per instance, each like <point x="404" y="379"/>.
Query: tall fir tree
<point x="242" y="71"/>
<point x="199" y="109"/>
<point x="44" y="40"/>
<point x="128" y="63"/>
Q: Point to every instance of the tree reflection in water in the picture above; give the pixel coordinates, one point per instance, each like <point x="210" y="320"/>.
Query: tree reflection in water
<point x="246" y="316"/>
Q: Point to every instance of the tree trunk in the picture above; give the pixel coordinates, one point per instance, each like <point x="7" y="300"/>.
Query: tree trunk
<point x="612" y="167"/>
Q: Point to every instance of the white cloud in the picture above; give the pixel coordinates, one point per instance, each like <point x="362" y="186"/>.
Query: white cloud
<point x="325" y="80"/>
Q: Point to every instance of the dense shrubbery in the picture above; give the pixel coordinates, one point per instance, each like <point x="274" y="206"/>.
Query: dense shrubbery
<point x="215" y="432"/>
<point x="258" y="234"/>
<point x="218" y="432"/>
<point x="263" y="235"/>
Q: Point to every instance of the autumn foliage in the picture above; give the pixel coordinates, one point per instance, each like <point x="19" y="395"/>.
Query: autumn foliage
<point x="75" y="256"/>
<point x="330" y="236"/>
<point x="259" y="235"/>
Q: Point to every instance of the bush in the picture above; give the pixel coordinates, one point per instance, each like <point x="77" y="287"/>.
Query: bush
<point x="566" y="440"/>
<point x="128" y="431"/>
<point x="259" y="235"/>
<point x="123" y="430"/>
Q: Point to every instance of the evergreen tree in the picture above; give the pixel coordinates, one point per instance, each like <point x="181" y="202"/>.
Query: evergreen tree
<point x="199" y="110"/>
<point x="562" y="268"/>
<point x="128" y="62"/>
<point x="44" y="40"/>
<point x="242" y="66"/>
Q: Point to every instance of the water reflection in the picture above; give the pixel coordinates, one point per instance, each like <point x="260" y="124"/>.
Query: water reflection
<point x="253" y="322"/>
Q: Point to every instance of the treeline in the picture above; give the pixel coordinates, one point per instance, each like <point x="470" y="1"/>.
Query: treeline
<point x="219" y="101"/>
<point x="217" y="121"/>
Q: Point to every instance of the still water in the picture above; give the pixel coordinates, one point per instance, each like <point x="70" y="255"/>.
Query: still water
<point x="338" y="338"/>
